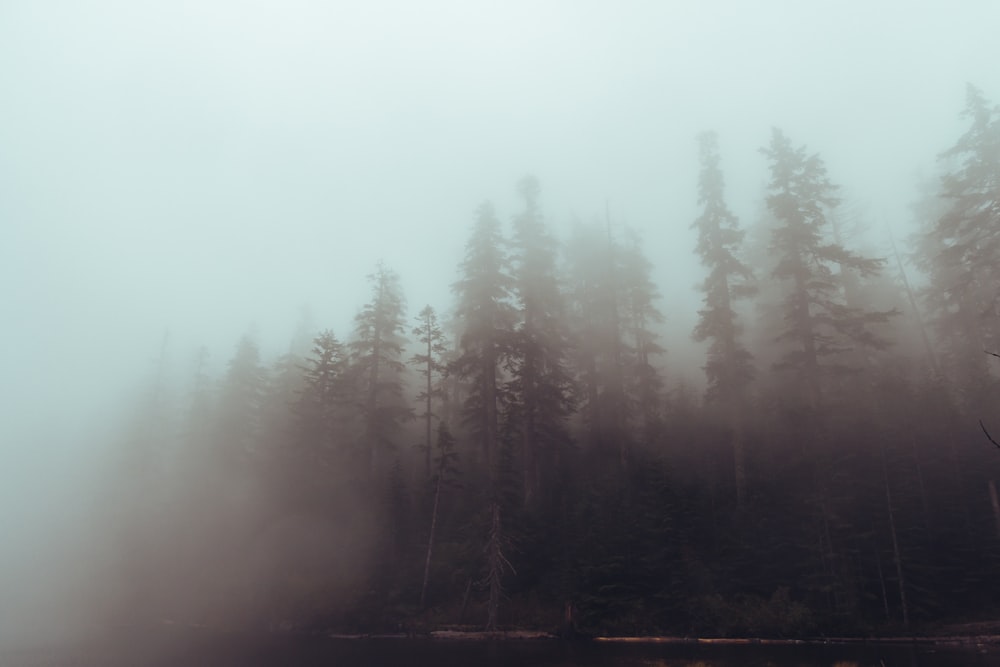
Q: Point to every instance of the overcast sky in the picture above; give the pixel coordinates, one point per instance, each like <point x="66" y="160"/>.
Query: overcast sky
<point x="203" y="166"/>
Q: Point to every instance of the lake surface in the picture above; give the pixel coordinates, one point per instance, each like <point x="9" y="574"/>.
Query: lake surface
<point x="184" y="648"/>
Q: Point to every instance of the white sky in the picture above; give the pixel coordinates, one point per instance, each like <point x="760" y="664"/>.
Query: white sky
<point x="201" y="166"/>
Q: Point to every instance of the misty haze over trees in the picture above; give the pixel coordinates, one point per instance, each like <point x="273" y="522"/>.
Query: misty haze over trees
<point x="522" y="454"/>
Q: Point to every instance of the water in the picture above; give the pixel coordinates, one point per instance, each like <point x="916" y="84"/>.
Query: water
<point x="192" y="649"/>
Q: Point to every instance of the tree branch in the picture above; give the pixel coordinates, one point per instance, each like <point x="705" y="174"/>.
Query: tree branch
<point x="990" y="437"/>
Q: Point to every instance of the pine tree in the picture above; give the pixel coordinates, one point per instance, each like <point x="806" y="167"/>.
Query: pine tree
<point x="485" y="317"/>
<point x="445" y="474"/>
<point x="729" y="367"/>
<point x="541" y="382"/>
<point x="639" y="315"/>
<point x="594" y="310"/>
<point x="240" y="401"/>
<point x="376" y="367"/>
<point x="961" y="246"/>
<point x="320" y="403"/>
<point x="497" y="565"/>
<point x="817" y="324"/>
<point x="200" y="406"/>
<point x="432" y="367"/>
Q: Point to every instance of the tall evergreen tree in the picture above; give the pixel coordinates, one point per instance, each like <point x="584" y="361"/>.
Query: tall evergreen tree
<point x="240" y="401"/>
<point x="445" y="474"/>
<point x="541" y="381"/>
<point x="817" y="324"/>
<point x="376" y="367"/>
<point x="320" y="403"/>
<point x="431" y="365"/>
<point x="485" y="317"/>
<point x="960" y="248"/>
<point x="729" y="367"/>
<point x="594" y="310"/>
<point x="639" y="316"/>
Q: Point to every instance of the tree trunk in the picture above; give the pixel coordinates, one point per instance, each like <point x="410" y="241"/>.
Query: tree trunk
<point x="496" y="564"/>
<point x="739" y="460"/>
<point x="427" y="438"/>
<point x="489" y="391"/>
<point x="896" y="557"/>
<point x="465" y="601"/>
<point x="996" y="505"/>
<point x="928" y="348"/>
<point x="881" y="581"/>
<point x="430" y="542"/>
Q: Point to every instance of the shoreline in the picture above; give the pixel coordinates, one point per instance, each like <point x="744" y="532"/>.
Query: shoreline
<point x="521" y="635"/>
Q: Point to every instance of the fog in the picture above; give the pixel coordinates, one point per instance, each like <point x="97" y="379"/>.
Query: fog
<point x="175" y="175"/>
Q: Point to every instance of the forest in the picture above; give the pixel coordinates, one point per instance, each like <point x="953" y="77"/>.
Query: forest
<point x="521" y="456"/>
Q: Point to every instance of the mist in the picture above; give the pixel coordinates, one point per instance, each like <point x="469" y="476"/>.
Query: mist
<point x="179" y="181"/>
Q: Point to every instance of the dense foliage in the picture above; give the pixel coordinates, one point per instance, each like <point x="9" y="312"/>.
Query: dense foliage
<point x="537" y="466"/>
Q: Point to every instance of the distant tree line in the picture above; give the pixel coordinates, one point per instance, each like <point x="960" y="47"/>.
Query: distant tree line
<point x="523" y="457"/>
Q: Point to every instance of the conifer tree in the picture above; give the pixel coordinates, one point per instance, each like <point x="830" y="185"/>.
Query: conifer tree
<point x="376" y="367"/>
<point x="321" y="400"/>
<point x="960" y="248"/>
<point x="445" y="473"/>
<point x="431" y="365"/>
<point x="817" y="324"/>
<point x="728" y="368"/>
<point x="541" y="382"/>
<point x="485" y="317"/>
<point x="639" y="315"/>
<point x="240" y="401"/>
<point x="594" y="312"/>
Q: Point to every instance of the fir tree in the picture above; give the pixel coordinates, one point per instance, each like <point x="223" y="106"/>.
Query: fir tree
<point x="485" y="318"/>
<point x="445" y="474"/>
<point x="376" y="366"/>
<point x="817" y="324"/>
<point x="240" y="401"/>
<point x="639" y="315"/>
<point x="594" y="313"/>
<point x="541" y="382"/>
<point x="960" y="248"/>
<point x="321" y="400"/>
<point x="728" y="368"/>
<point x="431" y="365"/>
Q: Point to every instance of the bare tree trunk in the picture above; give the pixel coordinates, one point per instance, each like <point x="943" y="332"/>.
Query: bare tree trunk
<point x="881" y="581"/>
<point x="495" y="573"/>
<point x="430" y="542"/>
<point x="530" y="405"/>
<point x="496" y="564"/>
<point x="489" y="390"/>
<point x="427" y="425"/>
<point x="928" y="348"/>
<point x="739" y="460"/>
<point x="996" y="505"/>
<point x="465" y="601"/>
<point x="895" y="547"/>
<point x="617" y="379"/>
